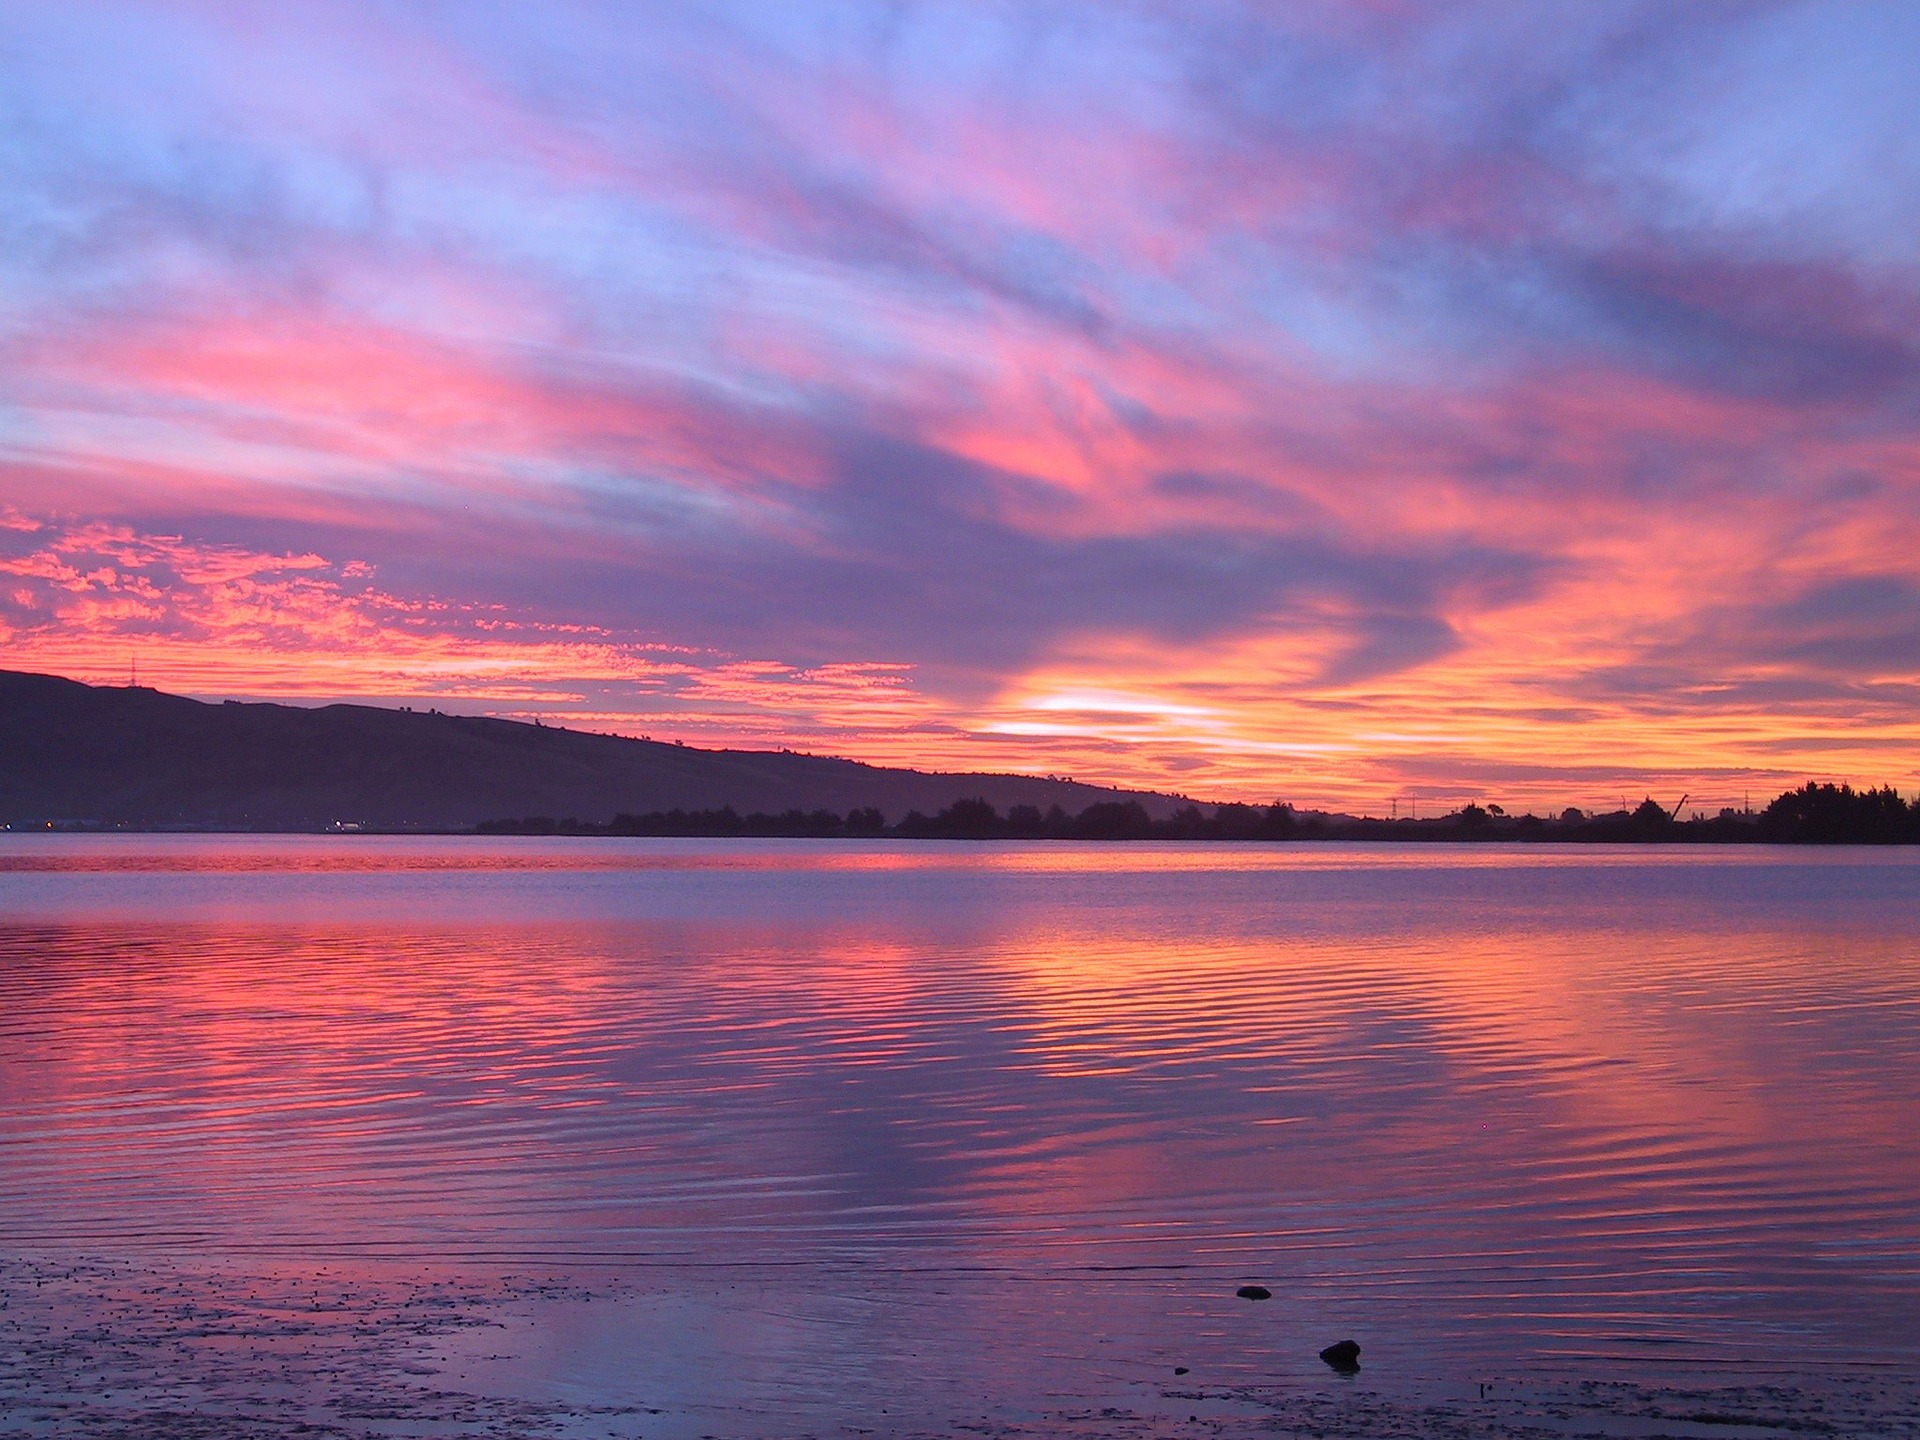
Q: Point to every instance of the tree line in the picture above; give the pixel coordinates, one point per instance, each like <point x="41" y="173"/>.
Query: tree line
<point x="1812" y="814"/>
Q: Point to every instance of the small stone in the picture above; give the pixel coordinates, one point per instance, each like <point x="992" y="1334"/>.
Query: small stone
<point x="1254" y="1292"/>
<point x="1342" y="1355"/>
<point x="1179" y="1369"/>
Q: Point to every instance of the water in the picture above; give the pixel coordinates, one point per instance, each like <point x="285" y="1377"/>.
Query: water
<point x="826" y="1129"/>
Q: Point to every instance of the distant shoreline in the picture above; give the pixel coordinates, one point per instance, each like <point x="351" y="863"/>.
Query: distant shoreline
<point x="1814" y="814"/>
<point x="92" y="759"/>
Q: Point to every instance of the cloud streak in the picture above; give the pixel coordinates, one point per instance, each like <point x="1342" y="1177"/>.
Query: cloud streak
<point x="1324" y="402"/>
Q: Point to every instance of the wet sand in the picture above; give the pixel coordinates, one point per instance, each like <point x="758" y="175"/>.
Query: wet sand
<point x="146" y="1351"/>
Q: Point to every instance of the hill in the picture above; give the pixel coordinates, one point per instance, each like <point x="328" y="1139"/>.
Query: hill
<point x="134" y="756"/>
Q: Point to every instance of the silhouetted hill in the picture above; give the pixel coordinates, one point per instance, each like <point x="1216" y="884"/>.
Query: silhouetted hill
<point x="122" y="755"/>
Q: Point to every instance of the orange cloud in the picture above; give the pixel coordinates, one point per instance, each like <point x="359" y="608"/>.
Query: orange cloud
<point x="93" y="600"/>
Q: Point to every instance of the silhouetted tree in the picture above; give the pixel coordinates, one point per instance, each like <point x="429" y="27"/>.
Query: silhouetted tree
<point x="1278" y="822"/>
<point x="1838" y="815"/>
<point x="1236" y="822"/>
<point x="1186" y="823"/>
<point x="969" y="820"/>
<point x="1113" y="820"/>
<point x="1025" y="821"/>
<point x="1650" y="819"/>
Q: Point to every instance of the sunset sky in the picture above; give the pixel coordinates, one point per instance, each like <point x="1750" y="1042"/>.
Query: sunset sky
<point x="1350" y="403"/>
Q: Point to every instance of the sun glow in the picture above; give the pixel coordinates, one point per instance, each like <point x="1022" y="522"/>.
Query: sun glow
<point x="1092" y="424"/>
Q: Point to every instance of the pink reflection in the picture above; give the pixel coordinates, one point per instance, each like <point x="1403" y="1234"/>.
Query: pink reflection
<point x="1556" y="1093"/>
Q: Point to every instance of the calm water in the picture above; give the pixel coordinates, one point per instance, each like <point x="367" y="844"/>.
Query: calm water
<point x="930" y="1120"/>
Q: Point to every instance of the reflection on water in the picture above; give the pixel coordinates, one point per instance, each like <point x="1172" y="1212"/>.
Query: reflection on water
<point x="1467" y="1104"/>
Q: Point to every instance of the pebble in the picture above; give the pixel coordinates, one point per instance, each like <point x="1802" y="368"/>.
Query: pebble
<point x="1342" y="1355"/>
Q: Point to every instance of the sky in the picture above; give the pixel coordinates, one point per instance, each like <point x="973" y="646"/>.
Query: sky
<point x="1376" y="405"/>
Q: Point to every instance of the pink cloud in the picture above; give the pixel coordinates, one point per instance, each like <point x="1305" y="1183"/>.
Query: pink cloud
<point x="1308" y="403"/>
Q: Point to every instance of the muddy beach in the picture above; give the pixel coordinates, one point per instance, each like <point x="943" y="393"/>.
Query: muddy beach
<point x="129" y="1351"/>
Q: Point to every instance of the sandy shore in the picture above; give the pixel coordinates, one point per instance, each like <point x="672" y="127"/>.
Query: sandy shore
<point x="146" y="1351"/>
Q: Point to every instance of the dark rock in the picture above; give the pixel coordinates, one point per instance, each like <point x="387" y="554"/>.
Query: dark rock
<point x="1343" y="1355"/>
<point x="1254" y="1292"/>
<point x="1179" y="1369"/>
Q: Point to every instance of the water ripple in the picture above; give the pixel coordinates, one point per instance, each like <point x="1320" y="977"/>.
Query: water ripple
<point x="1555" y="1097"/>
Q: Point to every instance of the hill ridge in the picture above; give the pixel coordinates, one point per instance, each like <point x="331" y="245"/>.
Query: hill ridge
<point x="140" y="757"/>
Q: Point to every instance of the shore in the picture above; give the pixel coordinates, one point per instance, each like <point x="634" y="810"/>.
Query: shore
<point x="165" y="1351"/>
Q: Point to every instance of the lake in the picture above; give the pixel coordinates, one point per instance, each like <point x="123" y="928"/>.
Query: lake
<point x="649" y="1137"/>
